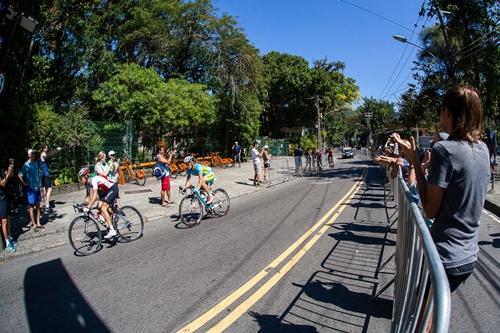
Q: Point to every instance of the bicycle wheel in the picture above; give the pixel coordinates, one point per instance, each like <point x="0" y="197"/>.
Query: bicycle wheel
<point x="174" y="174"/>
<point x="190" y="210"/>
<point x="140" y="177"/>
<point x="129" y="223"/>
<point x="221" y="202"/>
<point x="183" y="173"/>
<point x="84" y="235"/>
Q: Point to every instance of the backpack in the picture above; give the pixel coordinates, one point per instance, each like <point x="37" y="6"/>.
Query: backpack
<point x="160" y="170"/>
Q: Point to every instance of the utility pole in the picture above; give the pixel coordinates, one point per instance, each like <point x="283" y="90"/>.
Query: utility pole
<point x="449" y="63"/>
<point x="318" y="125"/>
<point x="369" y="116"/>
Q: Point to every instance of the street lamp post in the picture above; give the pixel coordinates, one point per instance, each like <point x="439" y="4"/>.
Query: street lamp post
<point x="449" y="71"/>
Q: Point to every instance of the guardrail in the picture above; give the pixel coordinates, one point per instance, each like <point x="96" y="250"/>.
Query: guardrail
<point x="421" y="290"/>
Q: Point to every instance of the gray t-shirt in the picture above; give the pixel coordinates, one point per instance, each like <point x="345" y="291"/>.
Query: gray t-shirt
<point x="462" y="169"/>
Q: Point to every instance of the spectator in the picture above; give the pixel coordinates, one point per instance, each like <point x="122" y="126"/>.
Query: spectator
<point x="113" y="165"/>
<point x="308" y="161"/>
<point x="266" y="157"/>
<point x="165" y="179"/>
<point x="236" y="149"/>
<point x="46" y="181"/>
<point x="256" y="164"/>
<point x="5" y="207"/>
<point x="455" y="191"/>
<point x="331" y="162"/>
<point x="491" y="142"/>
<point x="101" y="167"/>
<point x="298" y="161"/>
<point x="29" y="175"/>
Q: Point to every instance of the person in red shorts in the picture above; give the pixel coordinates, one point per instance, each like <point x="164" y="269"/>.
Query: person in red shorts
<point x="165" y="180"/>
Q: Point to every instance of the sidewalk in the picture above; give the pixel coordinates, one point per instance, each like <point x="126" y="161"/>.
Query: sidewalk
<point x="236" y="181"/>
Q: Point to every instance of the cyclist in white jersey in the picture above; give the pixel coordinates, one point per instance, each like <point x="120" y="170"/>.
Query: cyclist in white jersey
<point x="101" y="189"/>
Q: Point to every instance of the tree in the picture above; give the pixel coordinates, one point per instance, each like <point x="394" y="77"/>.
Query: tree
<point x="139" y="94"/>
<point x="374" y="116"/>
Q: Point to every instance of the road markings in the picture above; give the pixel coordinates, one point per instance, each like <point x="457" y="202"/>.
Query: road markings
<point x="491" y="215"/>
<point x="230" y="299"/>
<point x="250" y="301"/>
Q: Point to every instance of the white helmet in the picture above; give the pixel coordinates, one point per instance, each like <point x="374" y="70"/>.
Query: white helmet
<point x="188" y="159"/>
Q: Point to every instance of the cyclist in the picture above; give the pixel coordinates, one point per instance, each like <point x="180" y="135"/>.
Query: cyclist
<point x="206" y="176"/>
<point x="100" y="189"/>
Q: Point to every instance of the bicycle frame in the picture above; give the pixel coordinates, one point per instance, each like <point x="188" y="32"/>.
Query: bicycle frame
<point x="197" y="193"/>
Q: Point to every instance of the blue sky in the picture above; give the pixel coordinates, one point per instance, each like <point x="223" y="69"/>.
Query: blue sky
<point x="315" y="29"/>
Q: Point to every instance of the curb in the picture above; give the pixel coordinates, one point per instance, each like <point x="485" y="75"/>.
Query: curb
<point x="492" y="207"/>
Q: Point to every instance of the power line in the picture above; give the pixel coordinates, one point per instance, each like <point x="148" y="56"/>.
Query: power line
<point x="402" y="67"/>
<point x="402" y="54"/>
<point x="376" y="14"/>
<point x="476" y="43"/>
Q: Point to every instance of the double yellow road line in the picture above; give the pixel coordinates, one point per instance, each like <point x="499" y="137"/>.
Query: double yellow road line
<point x="252" y="299"/>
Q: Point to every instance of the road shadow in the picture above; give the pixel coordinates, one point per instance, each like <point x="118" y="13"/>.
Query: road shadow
<point x="272" y="323"/>
<point x="54" y="303"/>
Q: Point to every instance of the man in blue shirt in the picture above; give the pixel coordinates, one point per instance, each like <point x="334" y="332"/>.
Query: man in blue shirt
<point x="29" y="175"/>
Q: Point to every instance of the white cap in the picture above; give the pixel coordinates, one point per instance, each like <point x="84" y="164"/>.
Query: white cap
<point x="111" y="153"/>
<point x="266" y="147"/>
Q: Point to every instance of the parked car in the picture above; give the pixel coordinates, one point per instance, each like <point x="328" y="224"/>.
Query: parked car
<point x="347" y="152"/>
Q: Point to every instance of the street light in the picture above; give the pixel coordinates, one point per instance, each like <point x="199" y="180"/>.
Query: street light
<point x="403" y="39"/>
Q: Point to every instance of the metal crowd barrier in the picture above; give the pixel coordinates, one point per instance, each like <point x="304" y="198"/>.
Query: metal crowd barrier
<point x="279" y="171"/>
<point x="421" y="290"/>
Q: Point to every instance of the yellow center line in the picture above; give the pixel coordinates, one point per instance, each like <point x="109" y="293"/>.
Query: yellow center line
<point x="250" y="301"/>
<point x="230" y="299"/>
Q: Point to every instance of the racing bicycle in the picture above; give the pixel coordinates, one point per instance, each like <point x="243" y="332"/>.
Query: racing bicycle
<point x="85" y="235"/>
<point x="194" y="205"/>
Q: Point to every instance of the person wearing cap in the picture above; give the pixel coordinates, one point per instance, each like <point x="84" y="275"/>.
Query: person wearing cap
<point x="113" y="166"/>
<point x="206" y="177"/>
<point x="29" y="176"/>
<point x="236" y="149"/>
<point x="266" y="158"/>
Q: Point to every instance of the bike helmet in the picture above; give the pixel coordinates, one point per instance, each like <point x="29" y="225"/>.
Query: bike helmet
<point x="83" y="172"/>
<point x="188" y="159"/>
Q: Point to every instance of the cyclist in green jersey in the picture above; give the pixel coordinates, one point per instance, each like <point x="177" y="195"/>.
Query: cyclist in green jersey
<point x="206" y="176"/>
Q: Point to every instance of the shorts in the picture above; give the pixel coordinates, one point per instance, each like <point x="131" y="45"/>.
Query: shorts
<point x="110" y="195"/>
<point x="46" y="182"/>
<point x="33" y="197"/>
<point x="165" y="183"/>
<point x="457" y="275"/>
<point x="267" y="165"/>
<point x="4" y="209"/>
<point x="210" y="179"/>
<point x="256" y="167"/>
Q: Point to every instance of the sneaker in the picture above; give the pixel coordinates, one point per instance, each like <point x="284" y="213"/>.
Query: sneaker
<point x="111" y="234"/>
<point x="11" y="248"/>
<point x="210" y="199"/>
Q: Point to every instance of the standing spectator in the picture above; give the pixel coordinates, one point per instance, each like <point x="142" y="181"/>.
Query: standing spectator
<point x="46" y="181"/>
<point x="266" y="157"/>
<point x="236" y="149"/>
<point x="4" y="206"/>
<point x="308" y="161"/>
<point x="455" y="190"/>
<point x="313" y="159"/>
<point x="101" y="167"/>
<point x="29" y="175"/>
<point x="491" y="142"/>
<point x="165" y="179"/>
<point x="256" y="164"/>
<point x="113" y="165"/>
<point x="298" y="160"/>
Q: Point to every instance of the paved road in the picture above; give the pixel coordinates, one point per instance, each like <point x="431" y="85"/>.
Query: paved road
<point x="174" y="277"/>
